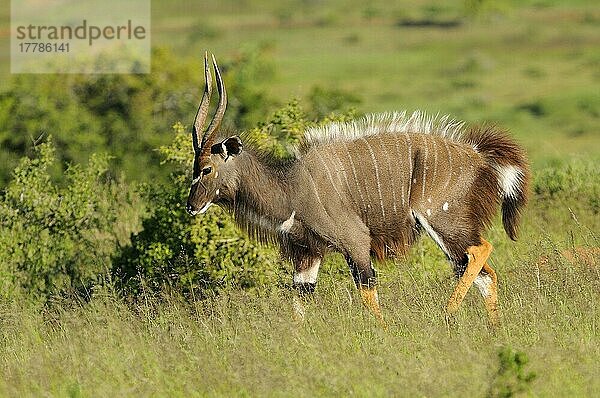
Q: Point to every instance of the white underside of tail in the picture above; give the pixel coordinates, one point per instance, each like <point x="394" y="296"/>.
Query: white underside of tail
<point x="510" y="179"/>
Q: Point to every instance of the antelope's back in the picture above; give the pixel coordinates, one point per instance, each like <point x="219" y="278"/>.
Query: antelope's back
<point x="384" y="177"/>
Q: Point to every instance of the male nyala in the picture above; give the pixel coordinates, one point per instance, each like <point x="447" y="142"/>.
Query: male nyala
<point x="367" y="188"/>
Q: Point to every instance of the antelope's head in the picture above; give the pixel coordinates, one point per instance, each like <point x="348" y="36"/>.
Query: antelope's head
<point x="211" y="178"/>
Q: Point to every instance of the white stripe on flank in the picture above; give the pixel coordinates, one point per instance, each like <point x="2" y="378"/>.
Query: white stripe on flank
<point x="362" y="199"/>
<point x="399" y="157"/>
<point x="390" y="175"/>
<point x="333" y="184"/>
<point x="374" y="159"/>
<point x="342" y="168"/>
<point x="449" y="171"/>
<point x="312" y="181"/>
<point x="423" y="221"/>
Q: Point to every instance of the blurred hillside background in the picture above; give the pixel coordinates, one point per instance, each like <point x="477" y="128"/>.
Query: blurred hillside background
<point x="97" y="252"/>
<point x="531" y="66"/>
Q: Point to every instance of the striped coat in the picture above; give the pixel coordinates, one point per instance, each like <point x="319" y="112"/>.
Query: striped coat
<point x="367" y="187"/>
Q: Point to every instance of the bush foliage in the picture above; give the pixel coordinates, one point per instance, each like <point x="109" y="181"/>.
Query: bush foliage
<point x="60" y="237"/>
<point x="99" y="113"/>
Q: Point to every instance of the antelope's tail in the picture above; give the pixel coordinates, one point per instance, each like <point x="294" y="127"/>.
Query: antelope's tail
<point x="508" y="159"/>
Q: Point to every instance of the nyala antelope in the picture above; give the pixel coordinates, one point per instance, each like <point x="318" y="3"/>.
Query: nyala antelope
<point x="367" y="188"/>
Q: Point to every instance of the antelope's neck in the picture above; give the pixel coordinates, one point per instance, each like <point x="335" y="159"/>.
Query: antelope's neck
<point x="262" y="191"/>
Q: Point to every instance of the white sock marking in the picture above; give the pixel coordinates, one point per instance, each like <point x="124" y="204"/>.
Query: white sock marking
<point x="308" y="275"/>
<point x="483" y="283"/>
<point x="362" y="199"/>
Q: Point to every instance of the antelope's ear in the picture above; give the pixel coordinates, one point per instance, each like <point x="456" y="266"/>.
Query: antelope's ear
<point x="232" y="146"/>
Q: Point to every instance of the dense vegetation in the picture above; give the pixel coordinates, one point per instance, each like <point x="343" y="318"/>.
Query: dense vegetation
<point x="108" y="287"/>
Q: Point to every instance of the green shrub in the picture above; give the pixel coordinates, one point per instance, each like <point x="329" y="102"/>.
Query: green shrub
<point x="570" y="184"/>
<point x="246" y="77"/>
<point x="511" y="377"/>
<point x="324" y="101"/>
<point x="59" y="237"/>
<point x="125" y="115"/>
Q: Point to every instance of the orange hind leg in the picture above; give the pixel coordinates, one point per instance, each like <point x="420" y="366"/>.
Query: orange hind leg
<point x="489" y="290"/>
<point x="477" y="256"/>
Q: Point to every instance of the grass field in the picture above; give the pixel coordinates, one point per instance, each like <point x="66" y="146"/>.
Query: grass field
<point x="532" y="67"/>
<point x="240" y="344"/>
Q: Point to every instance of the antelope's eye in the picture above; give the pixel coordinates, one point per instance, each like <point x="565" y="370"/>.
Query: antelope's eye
<point x="206" y="170"/>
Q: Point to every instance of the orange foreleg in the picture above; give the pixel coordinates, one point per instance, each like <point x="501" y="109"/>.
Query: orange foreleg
<point x="371" y="301"/>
